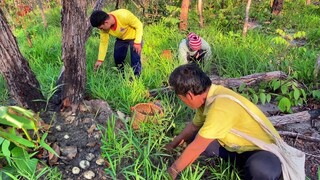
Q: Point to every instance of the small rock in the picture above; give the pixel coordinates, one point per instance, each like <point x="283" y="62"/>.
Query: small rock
<point x="69" y="151"/>
<point x="91" y="144"/>
<point x="75" y="170"/>
<point x="100" y="161"/>
<point x="70" y="119"/>
<point x="89" y="175"/>
<point x="84" y="164"/>
<point x="121" y="115"/>
<point x="87" y="120"/>
<point x="58" y="128"/>
<point x="90" y="156"/>
<point x="269" y="109"/>
<point x="66" y="136"/>
<point x="97" y="135"/>
<point x="91" y="129"/>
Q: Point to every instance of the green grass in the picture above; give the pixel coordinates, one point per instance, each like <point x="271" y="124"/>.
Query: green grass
<point x="140" y="154"/>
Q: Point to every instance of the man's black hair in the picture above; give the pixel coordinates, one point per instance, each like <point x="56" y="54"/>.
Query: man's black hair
<point x="98" y="17"/>
<point x="189" y="77"/>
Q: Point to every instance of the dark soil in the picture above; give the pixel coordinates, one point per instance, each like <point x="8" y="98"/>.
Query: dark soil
<point x="77" y="136"/>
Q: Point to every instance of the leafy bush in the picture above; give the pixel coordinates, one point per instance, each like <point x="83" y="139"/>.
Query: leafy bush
<point x="19" y="140"/>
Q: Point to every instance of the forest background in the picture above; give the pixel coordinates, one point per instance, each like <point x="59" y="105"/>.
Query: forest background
<point x="285" y="39"/>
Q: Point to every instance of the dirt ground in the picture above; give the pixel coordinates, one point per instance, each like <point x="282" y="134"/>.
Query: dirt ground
<point x="77" y="137"/>
<point x="310" y="147"/>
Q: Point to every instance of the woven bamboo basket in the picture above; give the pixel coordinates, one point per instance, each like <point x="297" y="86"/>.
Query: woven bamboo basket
<point x="145" y="112"/>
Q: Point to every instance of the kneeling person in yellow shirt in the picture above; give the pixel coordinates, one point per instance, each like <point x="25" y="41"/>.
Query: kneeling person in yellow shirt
<point x="210" y="133"/>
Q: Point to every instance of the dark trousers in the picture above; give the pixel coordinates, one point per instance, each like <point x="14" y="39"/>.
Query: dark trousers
<point x="120" y="53"/>
<point x="256" y="165"/>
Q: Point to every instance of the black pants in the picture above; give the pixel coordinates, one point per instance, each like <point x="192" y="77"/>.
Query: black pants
<point x="256" y="165"/>
<point x="120" y="53"/>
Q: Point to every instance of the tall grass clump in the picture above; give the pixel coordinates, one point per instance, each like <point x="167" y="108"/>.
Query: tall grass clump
<point x="237" y="56"/>
<point x="132" y="154"/>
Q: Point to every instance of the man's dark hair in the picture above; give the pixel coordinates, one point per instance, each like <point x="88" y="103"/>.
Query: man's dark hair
<point x="189" y="77"/>
<point x="98" y="17"/>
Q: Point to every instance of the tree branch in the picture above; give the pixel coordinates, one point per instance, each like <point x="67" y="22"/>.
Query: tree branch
<point x="297" y="135"/>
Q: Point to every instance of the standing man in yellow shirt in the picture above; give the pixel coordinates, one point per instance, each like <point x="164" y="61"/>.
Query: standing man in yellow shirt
<point x="127" y="29"/>
<point x="211" y="133"/>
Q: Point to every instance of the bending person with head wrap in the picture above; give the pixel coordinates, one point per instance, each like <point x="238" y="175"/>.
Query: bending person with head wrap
<point x="193" y="49"/>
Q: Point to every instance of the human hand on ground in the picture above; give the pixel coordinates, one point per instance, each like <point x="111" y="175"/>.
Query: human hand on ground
<point x="172" y="172"/>
<point x="97" y="65"/>
<point x="169" y="148"/>
<point x="137" y="48"/>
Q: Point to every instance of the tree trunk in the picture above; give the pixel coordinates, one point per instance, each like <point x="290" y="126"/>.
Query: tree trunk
<point x="200" y="9"/>
<point x="222" y="4"/>
<point x="249" y="80"/>
<point x="246" y="21"/>
<point x="42" y="14"/>
<point x="184" y="15"/>
<point x="98" y="5"/>
<point x="117" y="4"/>
<point x="73" y="52"/>
<point x="308" y="2"/>
<point x="294" y="118"/>
<point x="21" y="81"/>
<point x="277" y="7"/>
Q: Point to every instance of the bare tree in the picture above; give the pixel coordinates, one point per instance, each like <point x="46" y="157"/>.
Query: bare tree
<point x="76" y="29"/>
<point x="42" y="14"/>
<point x="200" y="9"/>
<point x="73" y="52"/>
<point x="117" y="4"/>
<point x="246" y="21"/>
<point x="184" y="15"/>
<point x="98" y="5"/>
<point x="277" y="6"/>
<point x="308" y="2"/>
<point x="21" y="81"/>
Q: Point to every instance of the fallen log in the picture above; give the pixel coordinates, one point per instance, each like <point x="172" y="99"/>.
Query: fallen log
<point x="298" y="136"/>
<point x="249" y="80"/>
<point x="295" y="117"/>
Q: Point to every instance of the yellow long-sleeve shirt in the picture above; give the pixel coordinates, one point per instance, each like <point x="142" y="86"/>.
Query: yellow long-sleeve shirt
<point x="127" y="27"/>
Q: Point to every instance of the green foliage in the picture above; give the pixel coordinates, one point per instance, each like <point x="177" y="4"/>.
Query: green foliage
<point x="316" y="94"/>
<point x="194" y="173"/>
<point x="53" y="174"/>
<point x="15" y="146"/>
<point x="223" y="171"/>
<point x="287" y="93"/>
<point x="290" y="94"/>
<point x="133" y="154"/>
<point x="255" y="95"/>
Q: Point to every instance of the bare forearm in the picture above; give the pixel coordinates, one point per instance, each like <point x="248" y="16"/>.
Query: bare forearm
<point x="185" y="135"/>
<point x="190" y="154"/>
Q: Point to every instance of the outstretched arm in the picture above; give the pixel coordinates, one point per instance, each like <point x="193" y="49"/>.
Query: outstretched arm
<point x="190" y="154"/>
<point x="186" y="134"/>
